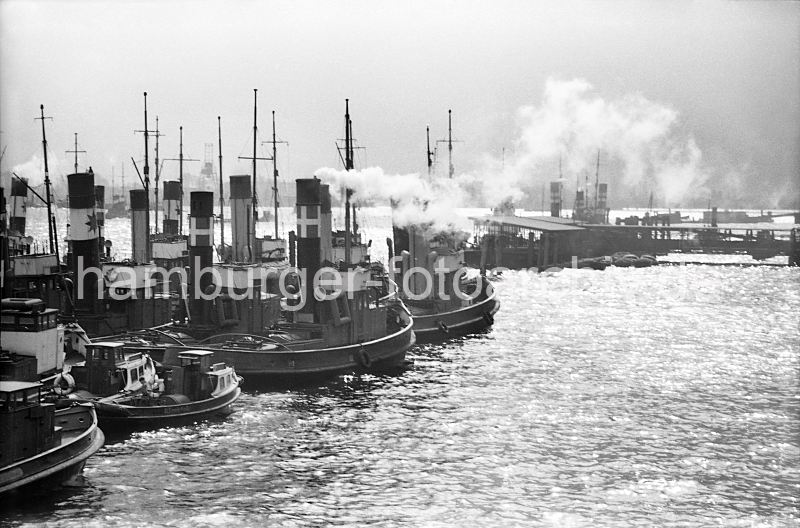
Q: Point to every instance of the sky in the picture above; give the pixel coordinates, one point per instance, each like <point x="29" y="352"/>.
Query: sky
<point x="696" y="102"/>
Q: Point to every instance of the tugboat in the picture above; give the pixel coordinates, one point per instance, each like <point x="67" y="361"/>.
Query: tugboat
<point x="130" y="392"/>
<point x="246" y="314"/>
<point x="39" y="444"/>
<point x="453" y="304"/>
<point x="321" y="331"/>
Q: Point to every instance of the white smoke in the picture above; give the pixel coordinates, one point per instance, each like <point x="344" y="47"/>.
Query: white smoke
<point x="416" y="201"/>
<point x="639" y="141"/>
<point x="33" y="171"/>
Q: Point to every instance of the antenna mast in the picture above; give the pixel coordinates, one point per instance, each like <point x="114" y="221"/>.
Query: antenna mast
<point x="51" y="226"/>
<point x="275" y="172"/>
<point x="430" y="159"/>
<point x="251" y="240"/>
<point x="180" y="159"/>
<point x="450" y="140"/>
<point x="221" y="196"/>
<point x="158" y="172"/>
<point x="348" y="165"/>
<point x="146" y="180"/>
<point x="76" y="151"/>
<point x="596" y="180"/>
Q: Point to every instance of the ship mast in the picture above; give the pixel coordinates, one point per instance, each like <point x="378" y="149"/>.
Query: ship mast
<point x="275" y="173"/>
<point x="180" y="178"/>
<point x="146" y="179"/>
<point x="51" y="226"/>
<point x="251" y="239"/>
<point x="450" y="141"/>
<point x="348" y="165"/>
<point x="596" y="181"/>
<point x="430" y="159"/>
<point x="76" y="151"/>
<point x="221" y="196"/>
<point x="158" y="173"/>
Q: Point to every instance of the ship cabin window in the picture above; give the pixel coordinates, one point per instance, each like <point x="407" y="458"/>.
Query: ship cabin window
<point x="50" y="321"/>
<point x="19" y="398"/>
<point x="343" y="305"/>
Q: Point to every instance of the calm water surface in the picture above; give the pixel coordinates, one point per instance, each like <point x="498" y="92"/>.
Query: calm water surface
<point x="664" y="396"/>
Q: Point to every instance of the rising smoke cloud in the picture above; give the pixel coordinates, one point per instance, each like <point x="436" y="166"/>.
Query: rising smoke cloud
<point x="640" y="143"/>
<point x="416" y="200"/>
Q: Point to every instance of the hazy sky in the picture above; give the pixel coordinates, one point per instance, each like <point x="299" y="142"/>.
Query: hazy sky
<point x="728" y="70"/>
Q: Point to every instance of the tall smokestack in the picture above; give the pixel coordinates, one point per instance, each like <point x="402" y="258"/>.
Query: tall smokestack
<point x="325" y="225"/>
<point x="555" y="199"/>
<point x="100" y="207"/>
<point x="309" y="207"/>
<point x="602" y="196"/>
<point x="5" y="257"/>
<point x="19" y="203"/>
<point x="172" y="199"/>
<point x="84" y="233"/>
<point x="580" y="205"/>
<point x="241" y="217"/>
<point x="139" y="230"/>
<point x="201" y="246"/>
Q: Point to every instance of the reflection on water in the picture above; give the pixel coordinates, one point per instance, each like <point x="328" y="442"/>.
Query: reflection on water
<point x="651" y="396"/>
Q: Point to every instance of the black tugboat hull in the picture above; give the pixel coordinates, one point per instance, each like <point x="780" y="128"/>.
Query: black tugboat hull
<point x="115" y="417"/>
<point x="284" y="365"/>
<point x="62" y="464"/>
<point x="471" y="319"/>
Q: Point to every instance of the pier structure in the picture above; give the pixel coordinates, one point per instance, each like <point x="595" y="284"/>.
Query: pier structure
<point x="523" y="242"/>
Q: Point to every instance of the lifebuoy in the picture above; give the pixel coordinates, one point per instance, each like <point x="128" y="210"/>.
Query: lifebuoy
<point x="489" y="318"/>
<point x="363" y="358"/>
<point x="443" y="327"/>
<point x="61" y="379"/>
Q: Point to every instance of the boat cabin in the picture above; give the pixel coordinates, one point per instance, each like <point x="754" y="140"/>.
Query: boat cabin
<point x="193" y="374"/>
<point x="35" y="276"/>
<point x="110" y="368"/>
<point x="32" y="331"/>
<point x="27" y="426"/>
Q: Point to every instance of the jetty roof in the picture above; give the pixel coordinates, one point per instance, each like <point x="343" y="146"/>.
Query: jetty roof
<point x="536" y="223"/>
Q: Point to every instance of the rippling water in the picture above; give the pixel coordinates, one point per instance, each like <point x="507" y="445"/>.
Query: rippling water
<point x="654" y="396"/>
